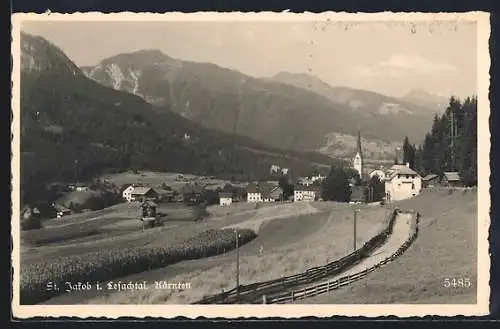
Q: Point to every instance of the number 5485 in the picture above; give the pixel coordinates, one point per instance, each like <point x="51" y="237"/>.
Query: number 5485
<point x="457" y="283"/>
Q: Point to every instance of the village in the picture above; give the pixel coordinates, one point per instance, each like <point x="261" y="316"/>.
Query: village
<point x="393" y="182"/>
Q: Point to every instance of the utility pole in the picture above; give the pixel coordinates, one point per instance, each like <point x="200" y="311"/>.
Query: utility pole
<point x="354" y="227"/>
<point x="237" y="262"/>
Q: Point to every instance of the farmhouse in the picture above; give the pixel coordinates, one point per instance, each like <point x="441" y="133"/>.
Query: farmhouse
<point x="401" y="183"/>
<point x="306" y="192"/>
<point x="225" y="198"/>
<point x="430" y="180"/>
<point x="143" y="193"/>
<point x="127" y="193"/>
<point x="263" y="192"/>
<point x="452" y="179"/>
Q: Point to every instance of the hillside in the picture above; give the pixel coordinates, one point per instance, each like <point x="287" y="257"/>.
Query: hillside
<point x="73" y="128"/>
<point x="410" y="116"/>
<point x="424" y="98"/>
<point x="446" y="248"/>
<point x="229" y="101"/>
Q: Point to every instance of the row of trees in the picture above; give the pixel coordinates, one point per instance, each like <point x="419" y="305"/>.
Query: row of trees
<point x="451" y="144"/>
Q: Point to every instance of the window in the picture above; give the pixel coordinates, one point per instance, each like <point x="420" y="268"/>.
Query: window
<point x="407" y="176"/>
<point x="412" y="186"/>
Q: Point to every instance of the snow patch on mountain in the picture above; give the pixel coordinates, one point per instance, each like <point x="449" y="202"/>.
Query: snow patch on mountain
<point x="116" y="75"/>
<point x="392" y="108"/>
<point x="135" y="75"/>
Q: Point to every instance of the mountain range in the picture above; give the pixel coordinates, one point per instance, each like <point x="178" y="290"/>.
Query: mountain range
<point x="288" y="110"/>
<point x="424" y="98"/>
<point x="73" y="128"/>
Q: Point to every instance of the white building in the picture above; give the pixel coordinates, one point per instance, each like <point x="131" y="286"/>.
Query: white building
<point x="305" y="193"/>
<point x="127" y="193"/>
<point x="317" y="178"/>
<point x="274" y="169"/>
<point x="263" y="192"/>
<point x="358" y="158"/>
<point x="401" y="183"/>
<point x="225" y="199"/>
<point x="284" y="171"/>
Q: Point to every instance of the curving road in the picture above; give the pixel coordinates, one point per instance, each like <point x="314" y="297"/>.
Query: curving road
<point x="400" y="233"/>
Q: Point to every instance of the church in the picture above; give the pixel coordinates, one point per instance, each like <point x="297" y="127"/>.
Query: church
<point x="358" y="158"/>
<point x="358" y="191"/>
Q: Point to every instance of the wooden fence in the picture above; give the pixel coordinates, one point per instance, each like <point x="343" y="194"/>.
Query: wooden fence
<point x="291" y="296"/>
<point x="280" y="290"/>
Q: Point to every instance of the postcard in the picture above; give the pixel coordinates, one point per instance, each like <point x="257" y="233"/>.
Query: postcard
<point x="250" y="164"/>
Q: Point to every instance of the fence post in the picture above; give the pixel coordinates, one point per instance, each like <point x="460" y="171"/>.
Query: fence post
<point x="327" y="285"/>
<point x="293" y="296"/>
<point x="264" y="301"/>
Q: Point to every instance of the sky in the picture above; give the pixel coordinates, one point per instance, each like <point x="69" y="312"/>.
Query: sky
<point x="391" y="58"/>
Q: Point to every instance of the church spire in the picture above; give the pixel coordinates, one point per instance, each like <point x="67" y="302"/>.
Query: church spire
<point x="359" y="143"/>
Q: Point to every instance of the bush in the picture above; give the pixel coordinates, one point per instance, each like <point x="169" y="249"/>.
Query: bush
<point x="31" y="223"/>
<point x="112" y="263"/>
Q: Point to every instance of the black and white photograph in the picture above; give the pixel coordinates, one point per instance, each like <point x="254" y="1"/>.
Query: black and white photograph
<point x="241" y="159"/>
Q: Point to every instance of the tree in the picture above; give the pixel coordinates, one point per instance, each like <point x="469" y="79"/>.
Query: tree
<point x="408" y="153"/>
<point x="376" y="189"/>
<point x="451" y="145"/>
<point x="336" y="186"/>
<point x="286" y="186"/>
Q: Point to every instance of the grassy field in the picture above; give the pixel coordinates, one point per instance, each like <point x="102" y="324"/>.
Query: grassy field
<point x="446" y="248"/>
<point x="285" y="245"/>
<point x="156" y="179"/>
<point x="118" y="226"/>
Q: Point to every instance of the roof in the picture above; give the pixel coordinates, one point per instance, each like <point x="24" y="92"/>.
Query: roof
<point x="225" y="195"/>
<point x="268" y="191"/>
<point x="148" y="203"/>
<point x="141" y="190"/>
<point x="452" y="176"/>
<point x="299" y="187"/>
<point x="399" y="170"/>
<point x="429" y="177"/>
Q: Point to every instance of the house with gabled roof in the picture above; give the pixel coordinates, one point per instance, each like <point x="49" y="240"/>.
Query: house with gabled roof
<point x="430" y="180"/>
<point x="143" y="193"/>
<point x="309" y="192"/>
<point x="225" y="198"/>
<point x="263" y="192"/>
<point x="452" y="179"/>
<point x="401" y="183"/>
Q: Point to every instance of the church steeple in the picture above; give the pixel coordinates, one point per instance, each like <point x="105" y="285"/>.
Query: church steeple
<point x="359" y="150"/>
<point x="358" y="158"/>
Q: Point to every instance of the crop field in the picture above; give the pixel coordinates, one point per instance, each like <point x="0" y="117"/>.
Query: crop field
<point x="291" y="238"/>
<point x="445" y="249"/>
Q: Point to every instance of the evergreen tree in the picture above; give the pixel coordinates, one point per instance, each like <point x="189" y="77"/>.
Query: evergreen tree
<point x="451" y="145"/>
<point x="336" y="186"/>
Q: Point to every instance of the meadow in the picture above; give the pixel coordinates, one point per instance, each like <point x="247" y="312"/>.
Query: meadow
<point x="446" y="248"/>
<point x="290" y="239"/>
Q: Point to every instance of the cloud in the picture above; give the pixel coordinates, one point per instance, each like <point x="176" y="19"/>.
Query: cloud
<point x="399" y="65"/>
